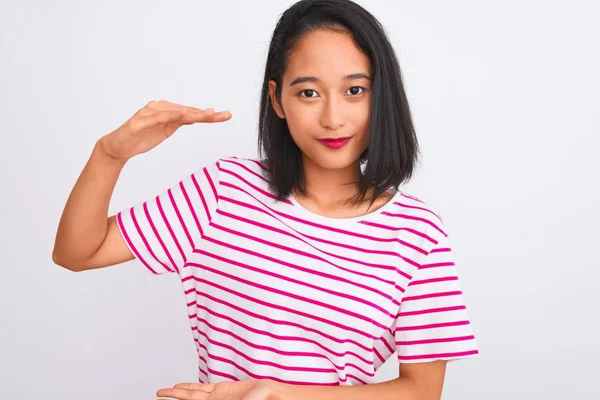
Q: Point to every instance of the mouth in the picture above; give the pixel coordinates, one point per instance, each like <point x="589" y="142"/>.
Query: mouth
<point x="335" y="143"/>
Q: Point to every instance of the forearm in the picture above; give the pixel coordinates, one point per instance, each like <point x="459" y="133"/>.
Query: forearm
<point x="83" y="224"/>
<point x="396" y="389"/>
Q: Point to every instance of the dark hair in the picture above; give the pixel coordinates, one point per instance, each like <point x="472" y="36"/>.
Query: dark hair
<point x="392" y="150"/>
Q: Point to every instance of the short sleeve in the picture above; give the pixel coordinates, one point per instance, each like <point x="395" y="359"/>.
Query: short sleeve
<point x="432" y="322"/>
<point x="161" y="232"/>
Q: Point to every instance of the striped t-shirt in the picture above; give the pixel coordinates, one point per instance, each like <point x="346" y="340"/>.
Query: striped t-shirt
<point x="275" y="291"/>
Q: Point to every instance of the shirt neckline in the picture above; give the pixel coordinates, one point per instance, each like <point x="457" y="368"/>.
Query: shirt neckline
<point x="299" y="208"/>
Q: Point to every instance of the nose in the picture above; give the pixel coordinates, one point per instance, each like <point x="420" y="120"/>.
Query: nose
<point x="333" y="115"/>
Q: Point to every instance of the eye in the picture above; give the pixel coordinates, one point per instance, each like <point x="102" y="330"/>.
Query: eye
<point x="309" y="93"/>
<point x="355" y="90"/>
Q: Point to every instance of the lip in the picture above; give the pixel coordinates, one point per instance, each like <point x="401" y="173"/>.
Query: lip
<point x="335" y="143"/>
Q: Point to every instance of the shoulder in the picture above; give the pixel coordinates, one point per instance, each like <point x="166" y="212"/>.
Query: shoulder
<point x="248" y="164"/>
<point x="409" y="201"/>
<point x="232" y="166"/>
<point x="426" y="215"/>
<point x="242" y="174"/>
<point x="241" y="168"/>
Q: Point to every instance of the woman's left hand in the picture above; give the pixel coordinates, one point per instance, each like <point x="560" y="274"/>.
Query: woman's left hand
<point x="241" y="390"/>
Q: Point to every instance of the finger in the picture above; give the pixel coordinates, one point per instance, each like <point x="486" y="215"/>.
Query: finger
<point x="216" y="116"/>
<point x="193" y="117"/>
<point x="163" y="105"/>
<point x="167" y="105"/>
<point x="161" y="117"/>
<point x="183" y="394"/>
<point x="204" y="387"/>
<point x="220" y="116"/>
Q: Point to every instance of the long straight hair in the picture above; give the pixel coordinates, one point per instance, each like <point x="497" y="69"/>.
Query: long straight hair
<point x="392" y="152"/>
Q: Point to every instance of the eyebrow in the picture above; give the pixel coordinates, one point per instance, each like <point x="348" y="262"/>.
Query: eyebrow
<point x="350" y="77"/>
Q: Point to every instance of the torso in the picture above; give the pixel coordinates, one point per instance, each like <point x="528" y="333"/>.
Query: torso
<point x="275" y="291"/>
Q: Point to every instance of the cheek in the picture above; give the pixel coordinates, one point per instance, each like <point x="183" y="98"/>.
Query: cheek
<point x="300" y="119"/>
<point x="361" y="121"/>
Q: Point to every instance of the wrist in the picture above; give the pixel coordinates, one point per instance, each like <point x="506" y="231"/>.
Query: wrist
<point x="100" y="152"/>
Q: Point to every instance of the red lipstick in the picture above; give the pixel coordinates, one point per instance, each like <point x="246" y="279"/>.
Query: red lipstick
<point x="336" y="143"/>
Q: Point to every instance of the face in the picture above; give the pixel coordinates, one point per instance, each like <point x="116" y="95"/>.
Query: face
<point x="325" y="99"/>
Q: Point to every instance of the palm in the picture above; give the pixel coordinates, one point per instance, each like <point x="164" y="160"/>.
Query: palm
<point x="241" y="390"/>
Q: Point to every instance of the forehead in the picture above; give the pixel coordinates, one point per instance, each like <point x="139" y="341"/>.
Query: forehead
<point x="326" y="55"/>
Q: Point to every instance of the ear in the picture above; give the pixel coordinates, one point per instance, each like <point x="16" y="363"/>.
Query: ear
<point x="276" y="105"/>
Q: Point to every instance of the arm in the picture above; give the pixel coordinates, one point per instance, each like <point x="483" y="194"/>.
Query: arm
<point x="86" y="237"/>
<point x="419" y="381"/>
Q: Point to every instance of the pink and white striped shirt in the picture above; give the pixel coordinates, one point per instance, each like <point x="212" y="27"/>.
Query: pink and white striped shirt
<point x="276" y="291"/>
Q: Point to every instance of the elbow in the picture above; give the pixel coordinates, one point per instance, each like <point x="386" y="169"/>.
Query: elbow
<point x="61" y="262"/>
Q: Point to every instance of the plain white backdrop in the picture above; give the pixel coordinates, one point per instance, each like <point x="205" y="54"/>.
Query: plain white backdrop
<point x="504" y="96"/>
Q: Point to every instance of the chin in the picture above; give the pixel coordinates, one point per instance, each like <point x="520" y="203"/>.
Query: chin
<point x="335" y="160"/>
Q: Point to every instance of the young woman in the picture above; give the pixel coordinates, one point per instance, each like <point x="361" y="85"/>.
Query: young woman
<point x="306" y="269"/>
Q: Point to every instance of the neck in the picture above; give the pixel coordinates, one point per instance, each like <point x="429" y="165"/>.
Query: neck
<point x="329" y="187"/>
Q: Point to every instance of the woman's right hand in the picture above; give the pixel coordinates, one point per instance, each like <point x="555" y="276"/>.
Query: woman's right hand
<point x="151" y="125"/>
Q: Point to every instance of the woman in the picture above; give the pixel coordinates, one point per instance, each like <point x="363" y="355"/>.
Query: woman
<point x="305" y="270"/>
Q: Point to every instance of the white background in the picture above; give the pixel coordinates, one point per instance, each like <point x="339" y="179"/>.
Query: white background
<point x="505" y="101"/>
